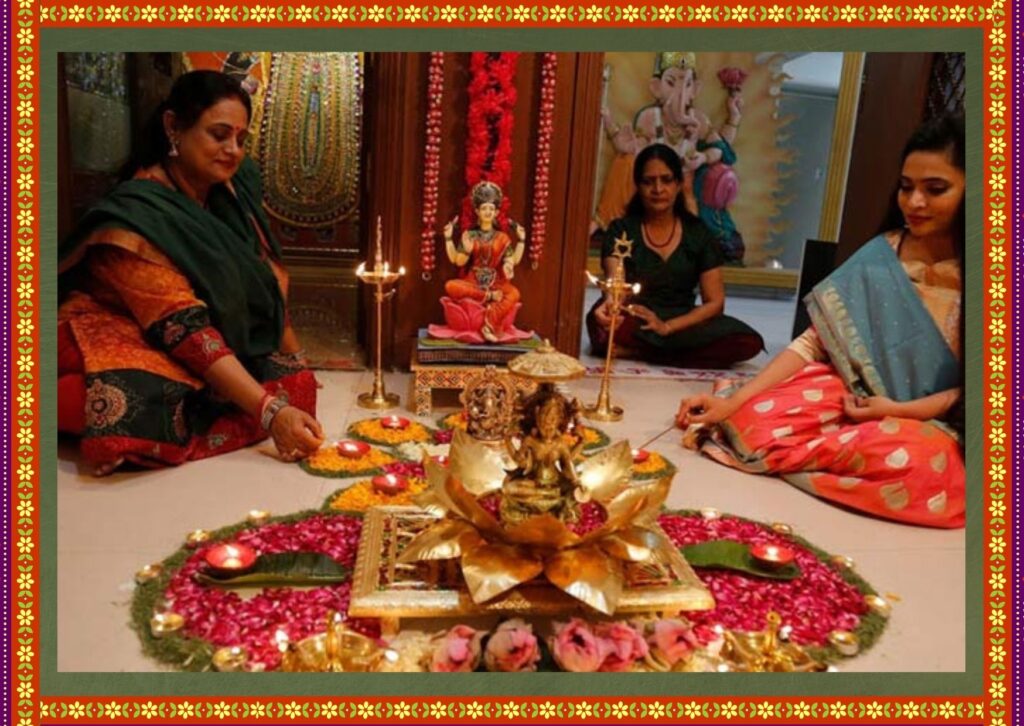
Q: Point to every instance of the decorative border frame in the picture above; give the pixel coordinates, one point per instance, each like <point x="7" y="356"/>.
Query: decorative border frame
<point x="25" y="706"/>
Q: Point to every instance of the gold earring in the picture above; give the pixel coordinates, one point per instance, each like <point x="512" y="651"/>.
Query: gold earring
<point x="174" y="148"/>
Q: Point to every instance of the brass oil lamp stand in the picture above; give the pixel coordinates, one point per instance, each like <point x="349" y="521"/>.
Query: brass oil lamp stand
<point x="382" y="278"/>
<point x="616" y="290"/>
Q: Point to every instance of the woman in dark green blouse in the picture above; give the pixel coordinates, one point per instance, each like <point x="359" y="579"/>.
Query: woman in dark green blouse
<point x="672" y="254"/>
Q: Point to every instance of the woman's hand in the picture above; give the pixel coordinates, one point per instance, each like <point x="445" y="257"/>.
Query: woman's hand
<point x="704" y="409"/>
<point x="650" y="320"/>
<point x="296" y="434"/>
<point x="860" y="409"/>
<point x="449" y="229"/>
<point x="602" y="315"/>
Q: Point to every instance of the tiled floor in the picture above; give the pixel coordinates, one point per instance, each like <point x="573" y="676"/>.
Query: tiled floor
<point x="110" y="527"/>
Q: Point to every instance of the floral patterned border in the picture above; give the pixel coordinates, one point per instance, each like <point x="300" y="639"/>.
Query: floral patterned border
<point x="22" y="307"/>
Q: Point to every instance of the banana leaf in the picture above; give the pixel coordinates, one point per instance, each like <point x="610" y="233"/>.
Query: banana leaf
<point x="724" y="554"/>
<point x="282" y="569"/>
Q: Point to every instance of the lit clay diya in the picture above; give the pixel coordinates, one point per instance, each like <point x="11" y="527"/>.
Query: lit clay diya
<point x="230" y="558"/>
<point x="398" y="423"/>
<point x="640" y="456"/>
<point x="353" y="449"/>
<point x="772" y="556"/>
<point x="390" y="484"/>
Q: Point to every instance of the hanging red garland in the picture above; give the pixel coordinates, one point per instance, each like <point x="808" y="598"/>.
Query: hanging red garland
<point x="545" y="129"/>
<point x="489" y="121"/>
<point x="432" y="163"/>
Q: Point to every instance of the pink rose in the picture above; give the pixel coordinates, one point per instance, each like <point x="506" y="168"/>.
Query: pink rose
<point x="624" y="646"/>
<point x="576" y="648"/>
<point x="512" y="648"/>
<point x="457" y="652"/>
<point x="674" y="640"/>
<point x="732" y="78"/>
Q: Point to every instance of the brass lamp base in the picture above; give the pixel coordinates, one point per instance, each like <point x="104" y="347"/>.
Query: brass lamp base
<point x="378" y="400"/>
<point x="602" y="413"/>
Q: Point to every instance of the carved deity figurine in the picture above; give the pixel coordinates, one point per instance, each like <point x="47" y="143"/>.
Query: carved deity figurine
<point x="481" y="303"/>
<point x="545" y="479"/>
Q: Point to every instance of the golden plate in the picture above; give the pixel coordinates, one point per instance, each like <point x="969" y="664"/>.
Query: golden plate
<point x="384" y="588"/>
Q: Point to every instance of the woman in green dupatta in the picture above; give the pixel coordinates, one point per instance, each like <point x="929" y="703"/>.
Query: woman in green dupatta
<point x="173" y="337"/>
<point x="863" y="408"/>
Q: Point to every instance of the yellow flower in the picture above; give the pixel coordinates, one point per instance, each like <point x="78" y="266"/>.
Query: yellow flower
<point x="475" y="710"/>
<point x="998" y="653"/>
<point x="327" y="458"/>
<point x="848" y="13"/>
<point x="25" y="36"/>
<point x="997" y="109"/>
<point x="997" y="36"/>
<point x="25" y="181"/>
<point x="656" y="710"/>
<point x="25" y="73"/>
<point x="730" y="710"/>
<point x="886" y="13"/>
<point x="303" y="14"/>
<point x="25" y="545"/>
<point x="997" y="255"/>
<point x="376" y="13"/>
<point x="372" y="430"/>
<point x="837" y="710"/>
<point x="911" y="710"/>
<point x="76" y="14"/>
<point x="485" y="13"/>
<point x="997" y="73"/>
<point x="997" y="437"/>
<point x="186" y="14"/>
<point x="558" y="13"/>
<point x="362" y="496"/>
<point x="292" y="710"/>
<point x="113" y="710"/>
<point x="922" y="13"/>
<point x="997" y="145"/>
<point x="25" y="654"/>
<point x="703" y="13"/>
<point x="150" y="13"/>
<point x="958" y="14"/>
<point x="631" y="13"/>
<point x="366" y="710"/>
<point x="185" y="710"/>
<point x="25" y="363"/>
<point x="997" y="471"/>
<point x="438" y="710"/>
<point x="997" y="326"/>
<point x="997" y="399"/>
<point x="149" y="710"/>
<point x="997" y="545"/>
<point x="449" y="14"/>
<point x="997" y="290"/>
<point x="259" y="13"/>
<point x="76" y="710"/>
<point x="329" y="710"/>
<point x="547" y="710"/>
<point x="997" y="182"/>
<point x="25" y="581"/>
<point x="339" y="13"/>
<point x="595" y="13"/>
<point x="112" y="14"/>
<point x="739" y="13"/>
<point x="25" y="217"/>
<point x="620" y="710"/>
<point x="25" y="108"/>
<point x="776" y="13"/>
<point x="766" y="710"/>
<point x="25" y="509"/>
<point x="25" y="618"/>
<point x="801" y="710"/>
<point x="412" y="13"/>
<point x="997" y="509"/>
<point x="521" y="13"/>
<point x="25" y="471"/>
<point x="947" y="710"/>
<point x="874" y="709"/>
<point x="581" y="710"/>
<point x="25" y="145"/>
<point x="25" y="327"/>
<point x="25" y="690"/>
<point x="997" y="581"/>
<point x="667" y="13"/>
<point x="25" y="290"/>
<point x="25" y="399"/>
<point x="221" y="710"/>
<point x="997" y="691"/>
<point x="402" y="710"/>
<point x="693" y="710"/>
<point x="511" y="710"/>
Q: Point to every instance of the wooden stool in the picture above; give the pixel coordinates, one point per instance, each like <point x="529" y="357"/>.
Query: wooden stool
<point x="428" y="377"/>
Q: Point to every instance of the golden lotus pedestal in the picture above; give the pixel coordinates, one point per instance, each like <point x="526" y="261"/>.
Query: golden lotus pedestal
<point x="384" y="588"/>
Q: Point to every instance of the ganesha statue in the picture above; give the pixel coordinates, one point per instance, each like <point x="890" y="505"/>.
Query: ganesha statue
<point x="481" y="304"/>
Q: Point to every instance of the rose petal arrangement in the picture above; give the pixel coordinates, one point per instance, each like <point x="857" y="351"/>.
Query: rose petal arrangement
<point x="825" y="598"/>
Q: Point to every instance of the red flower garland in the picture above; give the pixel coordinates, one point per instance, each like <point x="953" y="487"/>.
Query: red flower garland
<point x="545" y="128"/>
<point x="489" y="122"/>
<point x="432" y="162"/>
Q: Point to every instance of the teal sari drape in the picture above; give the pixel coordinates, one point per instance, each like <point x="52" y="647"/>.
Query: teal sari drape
<point x="877" y="332"/>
